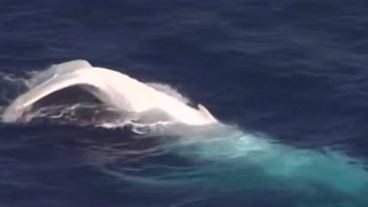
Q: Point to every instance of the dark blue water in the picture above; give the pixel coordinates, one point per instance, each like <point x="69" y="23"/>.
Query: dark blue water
<point x="293" y="70"/>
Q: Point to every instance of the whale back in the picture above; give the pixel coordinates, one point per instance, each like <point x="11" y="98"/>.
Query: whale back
<point x="112" y="88"/>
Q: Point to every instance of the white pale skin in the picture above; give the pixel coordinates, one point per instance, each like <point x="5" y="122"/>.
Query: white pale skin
<point x="113" y="88"/>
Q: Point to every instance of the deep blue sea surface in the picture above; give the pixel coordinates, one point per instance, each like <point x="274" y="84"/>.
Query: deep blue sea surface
<point x="288" y="77"/>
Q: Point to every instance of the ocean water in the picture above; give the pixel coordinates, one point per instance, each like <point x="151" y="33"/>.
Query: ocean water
<point x="288" y="80"/>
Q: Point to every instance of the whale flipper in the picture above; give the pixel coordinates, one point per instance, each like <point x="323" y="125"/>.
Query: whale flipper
<point x="204" y="111"/>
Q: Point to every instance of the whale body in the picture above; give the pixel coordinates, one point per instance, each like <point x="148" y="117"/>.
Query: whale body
<point x="115" y="89"/>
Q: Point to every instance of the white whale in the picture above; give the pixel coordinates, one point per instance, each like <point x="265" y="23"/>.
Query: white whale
<point x="112" y="88"/>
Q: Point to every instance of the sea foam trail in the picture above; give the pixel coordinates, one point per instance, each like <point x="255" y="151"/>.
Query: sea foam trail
<point x="233" y="160"/>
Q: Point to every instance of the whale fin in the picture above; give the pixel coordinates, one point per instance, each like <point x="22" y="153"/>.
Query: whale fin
<point x="204" y="111"/>
<point x="72" y="65"/>
<point x="57" y="70"/>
